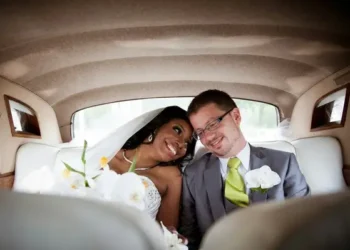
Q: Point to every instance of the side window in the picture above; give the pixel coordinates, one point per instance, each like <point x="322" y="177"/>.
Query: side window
<point x="22" y="118"/>
<point x="330" y="110"/>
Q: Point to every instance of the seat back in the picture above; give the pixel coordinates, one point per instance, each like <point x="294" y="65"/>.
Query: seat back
<point x="33" y="156"/>
<point x="320" y="160"/>
<point x="32" y="221"/>
<point x="314" y="222"/>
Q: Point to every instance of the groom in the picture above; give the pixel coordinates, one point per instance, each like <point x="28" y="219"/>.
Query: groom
<point x="213" y="185"/>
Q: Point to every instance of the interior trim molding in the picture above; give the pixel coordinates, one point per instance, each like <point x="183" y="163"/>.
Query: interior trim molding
<point x="7" y="174"/>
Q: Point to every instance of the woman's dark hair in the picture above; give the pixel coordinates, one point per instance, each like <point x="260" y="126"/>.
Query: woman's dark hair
<point x="168" y="114"/>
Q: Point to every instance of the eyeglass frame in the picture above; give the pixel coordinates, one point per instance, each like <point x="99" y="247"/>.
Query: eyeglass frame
<point x="216" y="122"/>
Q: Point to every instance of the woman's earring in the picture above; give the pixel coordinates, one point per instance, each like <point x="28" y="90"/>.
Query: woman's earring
<point x="150" y="137"/>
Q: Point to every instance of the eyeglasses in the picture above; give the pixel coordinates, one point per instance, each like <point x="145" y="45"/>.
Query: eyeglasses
<point x="211" y="126"/>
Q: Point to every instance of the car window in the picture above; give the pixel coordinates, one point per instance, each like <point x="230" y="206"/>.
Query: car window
<point x="259" y="120"/>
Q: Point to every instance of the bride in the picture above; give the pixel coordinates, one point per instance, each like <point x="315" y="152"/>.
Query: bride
<point x="162" y="142"/>
<point x="162" y="147"/>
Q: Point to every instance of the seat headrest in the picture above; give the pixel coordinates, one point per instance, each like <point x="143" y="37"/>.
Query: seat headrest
<point x="31" y="221"/>
<point x="284" y="225"/>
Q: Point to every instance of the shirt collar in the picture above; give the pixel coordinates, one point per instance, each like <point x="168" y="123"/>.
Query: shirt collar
<point x="243" y="156"/>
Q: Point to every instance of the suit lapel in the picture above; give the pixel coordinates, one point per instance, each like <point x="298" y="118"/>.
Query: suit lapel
<point x="213" y="185"/>
<point x="257" y="160"/>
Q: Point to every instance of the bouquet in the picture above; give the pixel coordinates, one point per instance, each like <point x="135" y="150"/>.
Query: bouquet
<point x="100" y="183"/>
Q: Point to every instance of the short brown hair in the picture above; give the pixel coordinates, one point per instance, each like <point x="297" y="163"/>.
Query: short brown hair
<point x="218" y="97"/>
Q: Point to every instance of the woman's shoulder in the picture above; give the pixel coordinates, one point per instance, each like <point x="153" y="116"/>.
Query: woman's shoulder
<point x="169" y="172"/>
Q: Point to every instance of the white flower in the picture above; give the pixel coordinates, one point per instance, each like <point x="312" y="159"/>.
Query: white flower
<point x="172" y="240"/>
<point x="106" y="182"/>
<point x="77" y="180"/>
<point x="263" y="178"/>
<point x="130" y="190"/>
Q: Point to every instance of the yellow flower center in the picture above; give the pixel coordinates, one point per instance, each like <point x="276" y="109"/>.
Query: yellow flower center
<point x="135" y="197"/>
<point x="103" y="161"/>
<point x="145" y="183"/>
<point x="73" y="186"/>
<point x="66" y="173"/>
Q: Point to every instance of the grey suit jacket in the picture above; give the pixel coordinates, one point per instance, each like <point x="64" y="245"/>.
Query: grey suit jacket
<point x="202" y="194"/>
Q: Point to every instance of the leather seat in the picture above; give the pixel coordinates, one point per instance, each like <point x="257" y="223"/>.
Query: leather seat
<point x="31" y="221"/>
<point x="320" y="160"/>
<point x="314" y="222"/>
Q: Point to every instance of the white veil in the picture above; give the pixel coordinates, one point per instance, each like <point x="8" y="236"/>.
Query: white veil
<point x="113" y="142"/>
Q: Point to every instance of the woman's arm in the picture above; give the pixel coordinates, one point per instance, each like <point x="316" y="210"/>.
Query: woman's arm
<point x="170" y="206"/>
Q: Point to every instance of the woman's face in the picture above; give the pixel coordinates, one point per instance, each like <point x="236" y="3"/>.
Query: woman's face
<point x="172" y="139"/>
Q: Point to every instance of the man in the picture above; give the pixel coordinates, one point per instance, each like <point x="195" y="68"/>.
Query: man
<point x="214" y="184"/>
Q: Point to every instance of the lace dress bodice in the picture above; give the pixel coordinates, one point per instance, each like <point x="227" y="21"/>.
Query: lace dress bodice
<point x="152" y="198"/>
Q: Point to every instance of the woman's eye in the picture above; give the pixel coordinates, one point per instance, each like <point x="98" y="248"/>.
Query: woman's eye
<point x="178" y="130"/>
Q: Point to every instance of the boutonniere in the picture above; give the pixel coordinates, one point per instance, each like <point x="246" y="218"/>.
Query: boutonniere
<point x="261" y="179"/>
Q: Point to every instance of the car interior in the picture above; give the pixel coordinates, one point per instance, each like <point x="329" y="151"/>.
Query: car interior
<point x="75" y="70"/>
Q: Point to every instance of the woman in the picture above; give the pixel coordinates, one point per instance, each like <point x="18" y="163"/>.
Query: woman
<point x="161" y="147"/>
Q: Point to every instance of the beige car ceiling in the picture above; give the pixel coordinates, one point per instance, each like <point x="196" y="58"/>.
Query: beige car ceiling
<point x="74" y="54"/>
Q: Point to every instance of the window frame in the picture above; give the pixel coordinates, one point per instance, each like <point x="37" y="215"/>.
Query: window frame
<point x="15" y="133"/>
<point x="333" y="125"/>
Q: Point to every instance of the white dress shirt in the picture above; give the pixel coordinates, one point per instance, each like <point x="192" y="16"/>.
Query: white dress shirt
<point x="243" y="156"/>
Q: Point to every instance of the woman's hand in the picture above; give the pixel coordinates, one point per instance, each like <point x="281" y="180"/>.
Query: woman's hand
<point x="183" y="238"/>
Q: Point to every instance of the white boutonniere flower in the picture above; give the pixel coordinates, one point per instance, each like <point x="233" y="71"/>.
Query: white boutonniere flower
<point x="261" y="179"/>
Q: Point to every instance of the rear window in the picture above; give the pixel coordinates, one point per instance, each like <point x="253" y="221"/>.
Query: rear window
<point x="259" y="120"/>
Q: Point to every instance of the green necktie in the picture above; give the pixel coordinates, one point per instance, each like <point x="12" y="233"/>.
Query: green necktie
<point x="234" y="184"/>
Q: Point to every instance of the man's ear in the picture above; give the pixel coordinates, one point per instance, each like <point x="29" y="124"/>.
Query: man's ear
<point x="236" y="116"/>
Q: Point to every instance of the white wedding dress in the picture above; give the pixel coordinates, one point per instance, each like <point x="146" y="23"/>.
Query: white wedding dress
<point x="152" y="198"/>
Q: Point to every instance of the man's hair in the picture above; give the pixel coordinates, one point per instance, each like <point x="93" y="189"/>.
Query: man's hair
<point x="218" y="97"/>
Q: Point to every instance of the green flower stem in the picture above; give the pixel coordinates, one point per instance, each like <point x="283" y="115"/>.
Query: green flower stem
<point x="83" y="160"/>
<point x="259" y="189"/>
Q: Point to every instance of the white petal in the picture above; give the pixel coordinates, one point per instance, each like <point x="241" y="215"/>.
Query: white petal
<point x="130" y="190"/>
<point x="106" y="168"/>
<point x="93" y="173"/>
<point x="275" y="178"/>
<point x="251" y="179"/>
<point x="266" y="185"/>
<point x="265" y="169"/>
<point x="105" y="183"/>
